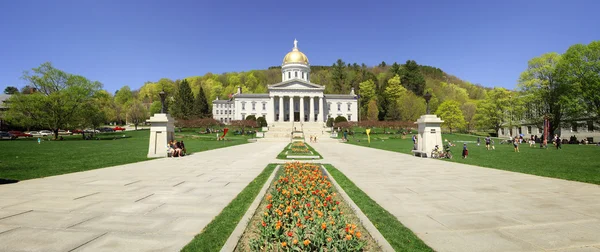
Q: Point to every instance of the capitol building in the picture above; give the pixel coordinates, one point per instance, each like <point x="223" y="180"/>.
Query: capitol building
<point x="294" y="99"/>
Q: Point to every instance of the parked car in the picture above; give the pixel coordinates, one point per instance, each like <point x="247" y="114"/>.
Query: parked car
<point x="64" y="132"/>
<point x="34" y="133"/>
<point x="106" y="129"/>
<point x="91" y="131"/>
<point x="46" y="133"/>
<point x="19" y="134"/>
<point x="77" y="131"/>
<point x="118" y="128"/>
<point x="6" y="135"/>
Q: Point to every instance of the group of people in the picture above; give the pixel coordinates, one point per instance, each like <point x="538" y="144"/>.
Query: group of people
<point x="313" y="139"/>
<point x="176" y="148"/>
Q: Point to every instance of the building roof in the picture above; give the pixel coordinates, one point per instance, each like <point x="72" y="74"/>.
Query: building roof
<point x="242" y="95"/>
<point x="222" y="101"/>
<point x="340" y="96"/>
<point x="3" y="99"/>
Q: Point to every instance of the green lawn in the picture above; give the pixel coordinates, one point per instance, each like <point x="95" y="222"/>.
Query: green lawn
<point x="26" y="159"/>
<point x="400" y="237"/>
<point x="572" y="162"/>
<point x="216" y="233"/>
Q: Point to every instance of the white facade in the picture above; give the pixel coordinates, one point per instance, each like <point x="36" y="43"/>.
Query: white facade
<point x="223" y="110"/>
<point x="293" y="99"/>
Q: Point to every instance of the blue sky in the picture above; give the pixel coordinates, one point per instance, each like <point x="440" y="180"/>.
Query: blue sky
<point x="130" y="42"/>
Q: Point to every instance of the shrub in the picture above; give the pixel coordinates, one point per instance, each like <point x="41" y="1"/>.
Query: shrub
<point x="261" y="121"/>
<point x="329" y="122"/>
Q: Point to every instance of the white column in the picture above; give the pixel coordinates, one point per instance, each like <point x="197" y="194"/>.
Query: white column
<point x="302" y="108"/>
<point x="311" y="113"/>
<point x="271" y="110"/>
<point x="321" y="112"/>
<point x="281" y="109"/>
<point x="291" y="108"/>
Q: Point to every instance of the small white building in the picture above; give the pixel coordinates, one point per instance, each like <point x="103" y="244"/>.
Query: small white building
<point x="294" y="99"/>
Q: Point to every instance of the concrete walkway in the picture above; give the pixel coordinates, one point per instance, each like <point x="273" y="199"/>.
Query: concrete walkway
<point x="457" y="207"/>
<point x="156" y="205"/>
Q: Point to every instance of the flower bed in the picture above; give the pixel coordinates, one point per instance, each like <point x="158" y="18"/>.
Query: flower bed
<point x="302" y="211"/>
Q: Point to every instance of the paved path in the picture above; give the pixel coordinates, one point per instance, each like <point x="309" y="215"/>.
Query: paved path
<point x="456" y="207"/>
<point x="156" y="205"/>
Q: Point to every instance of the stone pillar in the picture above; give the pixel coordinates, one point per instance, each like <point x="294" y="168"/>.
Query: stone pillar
<point x="311" y="113"/>
<point x="430" y="134"/>
<point x="162" y="131"/>
<point x="281" y="115"/>
<point x="302" y="108"/>
<point x="321" y="111"/>
<point x="271" y="110"/>
<point x="291" y="108"/>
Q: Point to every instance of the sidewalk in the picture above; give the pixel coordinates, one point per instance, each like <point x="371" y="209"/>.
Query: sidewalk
<point x="457" y="207"/>
<point x="157" y="205"/>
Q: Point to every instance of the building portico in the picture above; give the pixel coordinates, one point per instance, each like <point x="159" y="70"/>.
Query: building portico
<point x="295" y="99"/>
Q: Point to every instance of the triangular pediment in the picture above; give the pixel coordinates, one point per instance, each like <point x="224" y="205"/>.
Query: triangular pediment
<point x="295" y="84"/>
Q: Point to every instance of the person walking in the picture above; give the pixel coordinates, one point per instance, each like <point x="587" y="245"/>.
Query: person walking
<point x="39" y="140"/>
<point x="465" y="151"/>
<point x="516" y="145"/>
<point x="558" y="142"/>
<point x="478" y="141"/>
<point x="487" y="142"/>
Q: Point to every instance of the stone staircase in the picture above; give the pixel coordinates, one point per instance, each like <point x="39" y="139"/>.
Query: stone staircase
<point x="284" y="131"/>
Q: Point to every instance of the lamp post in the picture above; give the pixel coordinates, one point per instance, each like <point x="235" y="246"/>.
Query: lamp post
<point x="427" y="97"/>
<point x="510" y="115"/>
<point x="163" y="95"/>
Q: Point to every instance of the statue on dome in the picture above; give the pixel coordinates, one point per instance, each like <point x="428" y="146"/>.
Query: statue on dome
<point x="295" y="43"/>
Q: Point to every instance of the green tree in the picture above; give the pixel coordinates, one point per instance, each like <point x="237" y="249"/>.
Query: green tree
<point x="329" y="122"/>
<point x="338" y="76"/>
<point x="201" y="105"/>
<point x="494" y="111"/>
<point x="123" y="95"/>
<point x="184" y="101"/>
<point x="394" y="89"/>
<point x="11" y="90"/>
<point x="155" y="108"/>
<point x="412" y="78"/>
<point x="544" y="86"/>
<point x="469" y="109"/>
<point x="393" y="112"/>
<point x="251" y="118"/>
<point x="57" y="105"/>
<point x="580" y="66"/>
<point x="368" y="91"/>
<point x="93" y="115"/>
<point x="136" y="113"/>
<point x="450" y="112"/>
<point x="339" y="119"/>
<point x="372" y="111"/>
<point x="261" y="121"/>
<point x="411" y="106"/>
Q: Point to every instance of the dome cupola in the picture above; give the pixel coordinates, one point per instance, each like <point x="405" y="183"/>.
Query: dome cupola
<point x="295" y="65"/>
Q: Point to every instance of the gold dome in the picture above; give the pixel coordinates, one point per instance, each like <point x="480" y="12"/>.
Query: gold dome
<point x="295" y="56"/>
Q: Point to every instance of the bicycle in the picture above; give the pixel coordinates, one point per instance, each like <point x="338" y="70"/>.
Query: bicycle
<point x="436" y="153"/>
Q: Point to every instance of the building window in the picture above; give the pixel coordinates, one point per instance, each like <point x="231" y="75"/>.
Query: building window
<point x="349" y="117"/>
<point x="243" y="117"/>
<point x="349" y="106"/>
<point x="574" y="127"/>
<point x="296" y="74"/>
<point x="264" y="106"/>
<point x="529" y="130"/>
<point x="502" y="131"/>
<point x="307" y="76"/>
<point x="520" y="131"/>
<point x="339" y="107"/>
<point x="253" y="106"/>
<point x="243" y="106"/>
<point x="289" y="75"/>
<point x="302" y="75"/>
<point x="590" y="125"/>
<point x="540" y="130"/>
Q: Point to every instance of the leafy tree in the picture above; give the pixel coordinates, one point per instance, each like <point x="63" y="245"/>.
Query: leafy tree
<point x="580" y="65"/>
<point x="329" y="122"/>
<point x="394" y="89"/>
<point x="372" y="111"/>
<point x="396" y="69"/>
<point x="11" y="90"/>
<point x="338" y="76"/>
<point x="262" y="122"/>
<point x="92" y="114"/>
<point x="57" y="104"/>
<point x="155" y="107"/>
<point x="251" y="118"/>
<point x="393" y="112"/>
<point x="201" y="105"/>
<point x="27" y="89"/>
<point x="123" y="95"/>
<point x="411" y="107"/>
<point x="545" y="86"/>
<point x="412" y="78"/>
<point x="450" y="112"/>
<point x="136" y="113"/>
<point x="469" y="109"/>
<point x="494" y="110"/>
<point x="339" y="119"/>
<point x="368" y="91"/>
<point x="184" y="101"/>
